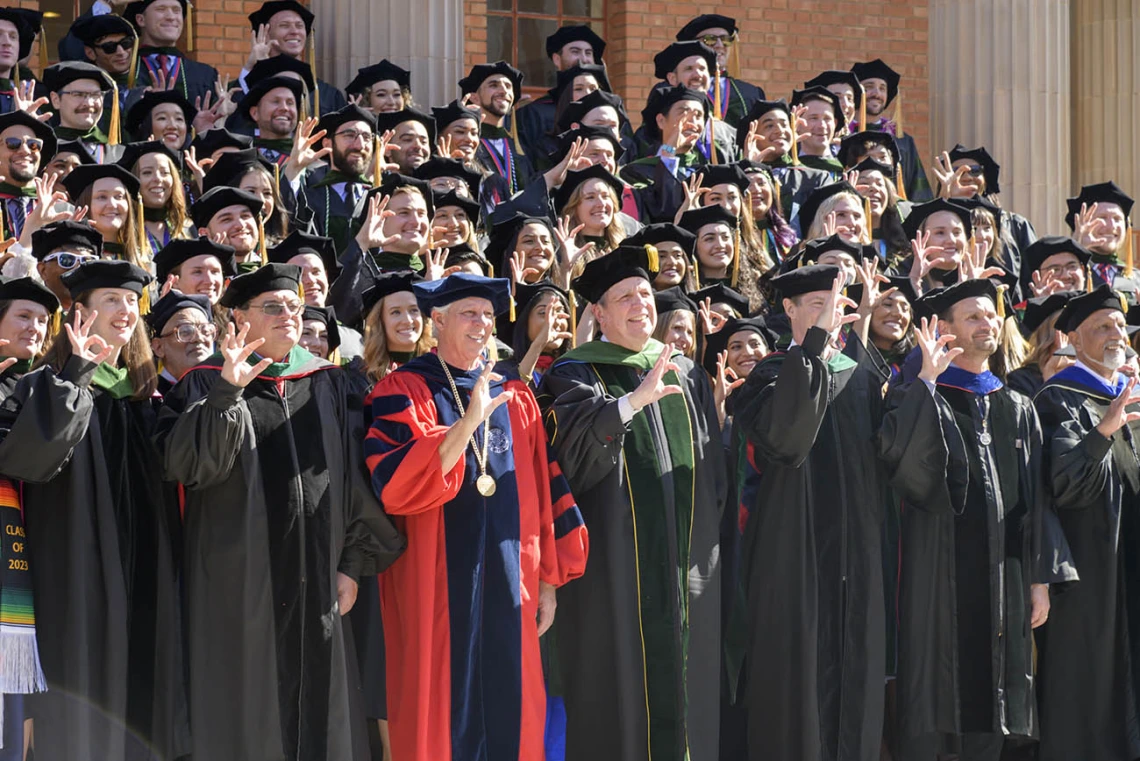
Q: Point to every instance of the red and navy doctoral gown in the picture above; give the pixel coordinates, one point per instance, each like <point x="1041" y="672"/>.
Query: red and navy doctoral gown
<point x="464" y="673"/>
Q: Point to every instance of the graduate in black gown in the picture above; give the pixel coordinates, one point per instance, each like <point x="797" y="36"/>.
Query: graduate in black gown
<point x="101" y="530"/>
<point x="634" y="427"/>
<point x="289" y="30"/>
<point x="280" y="523"/>
<point x="721" y="34"/>
<point x="811" y="562"/>
<point x="1089" y="686"/>
<point x="159" y="61"/>
<point x="964" y="454"/>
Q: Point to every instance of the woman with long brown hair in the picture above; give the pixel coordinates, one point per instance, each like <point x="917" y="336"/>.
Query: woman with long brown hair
<point x="247" y="170"/>
<point x="159" y="171"/>
<point x="111" y="195"/>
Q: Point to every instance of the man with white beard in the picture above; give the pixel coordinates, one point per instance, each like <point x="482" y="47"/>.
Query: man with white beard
<point x="1089" y="415"/>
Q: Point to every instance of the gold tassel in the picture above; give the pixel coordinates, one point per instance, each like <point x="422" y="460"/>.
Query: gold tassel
<point x="277" y="178"/>
<point x="300" y="289"/>
<point x="795" y="148"/>
<point x="862" y="109"/>
<point x="134" y="70"/>
<point x="262" y="248"/>
<point x="114" y="129"/>
<point x="515" y="130"/>
<point x="376" y="172"/>
<point x="716" y="96"/>
<point x="695" y="266"/>
<point x="736" y="257"/>
<point x="1128" y="253"/>
<point x="512" y="316"/>
<point x="42" y="54"/>
<point x="900" y="186"/>
<point x="1088" y="279"/>
<point x="1123" y="302"/>
<point x="56" y="324"/>
<point x="144" y="301"/>
<point x="1000" y="305"/>
<point x="898" y="116"/>
<point x="573" y="319"/>
<point x="867" y="237"/>
<point x="654" y="260"/>
<point x="144" y="244"/>
<point x="190" y="27"/>
<point x="304" y="104"/>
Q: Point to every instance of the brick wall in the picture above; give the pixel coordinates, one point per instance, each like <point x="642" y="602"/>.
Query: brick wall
<point x="222" y="33"/>
<point x="783" y="43"/>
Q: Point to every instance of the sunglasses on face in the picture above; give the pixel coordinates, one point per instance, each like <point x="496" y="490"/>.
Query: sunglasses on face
<point x="68" y="261"/>
<point x="15" y="143"/>
<point x="276" y="308"/>
<point x="187" y="333"/>
<point x="127" y="43"/>
<point x="713" y="39"/>
<point x="975" y="170"/>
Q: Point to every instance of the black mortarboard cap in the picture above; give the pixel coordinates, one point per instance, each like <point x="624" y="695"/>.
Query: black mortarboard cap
<point x="567" y="138"/>
<point x="38" y="128"/>
<point x="852" y="147"/>
<point x="392" y="181"/>
<point x="904" y="285"/>
<point x="574" y="178"/>
<point x="219" y="198"/>
<point x="577" y="110"/>
<point x="717" y="342"/>
<point x="1103" y="192"/>
<point x="84" y="176"/>
<point x="333" y="120"/>
<point x="388" y="283"/>
<point x="503" y="238"/>
<point x="870" y="165"/>
<point x="673" y="298"/>
<point x="525" y="293"/>
<point x="662" y="99"/>
<point x="694" y="219"/>
<point x="91" y="29"/>
<point x="462" y="253"/>
<point x="171" y="304"/>
<point x="822" y="93"/>
<point x="759" y="108"/>
<point x="1040" y="308"/>
<point x="920" y="213"/>
<point x="278" y="66"/>
<point x="268" y="277"/>
<point x="393" y="119"/>
<point x="26" y="27"/>
<point x="28" y="289"/>
<point x="1034" y="255"/>
<point x="667" y="61"/>
<point x="603" y="273"/>
<point x="566" y="78"/>
<point x="876" y="69"/>
<point x="719" y="293"/>
<point x="299" y="242"/>
<point x="812" y="250"/>
<point x="809" y="279"/>
<point x="232" y="166"/>
<point x="706" y="21"/>
<point x="990" y="168"/>
<point x="326" y="316"/>
<point x="481" y="71"/>
<point x="453" y="112"/>
<point x="811" y="205"/>
<point x="271" y="7"/>
<point x="1082" y="306"/>
<point x="74" y="147"/>
<point x="470" y="207"/>
<point x="835" y="77"/>
<point x="434" y="294"/>
<point x="105" y="273"/>
<point x="216" y="139"/>
<point x="180" y="250"/>
<point x="940" y="300"/>
<point x="60" y="75"/>
<point x="66" y="234"/>
<point x="138" y="116"/>
<point x="385" y="71"/>
<point x="132" y="152"/>
<point x="564" y="35"/>
<point x="263" y="87"/>
<point x="663" y="232"/>
<point x="724" y="174"/>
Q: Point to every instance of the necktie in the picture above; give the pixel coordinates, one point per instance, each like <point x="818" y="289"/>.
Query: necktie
<point x="164" y="63"/>
<point x="17" y="214"/>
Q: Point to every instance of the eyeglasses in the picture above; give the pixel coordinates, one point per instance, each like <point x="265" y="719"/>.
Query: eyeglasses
<point x="276" y="308"/>
<point x="975" y="170"/>
<point x="83" y="94"/>
<point x="713" y="39"/>
<point x="67" y="260"/>
<point x="1063" y="269"/>
<point x="127" y="43"/>
<point x="187" y="332"/>
<point x="351" y="135"/>
<point x="15" y="143"/>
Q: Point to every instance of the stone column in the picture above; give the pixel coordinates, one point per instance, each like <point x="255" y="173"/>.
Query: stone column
<point x="999" y="77"/>
<point x="1106" y="93"/>
<point x="423" y="36"/>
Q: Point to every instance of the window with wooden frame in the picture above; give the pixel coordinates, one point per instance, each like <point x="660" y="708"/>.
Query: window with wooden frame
<point x="517" y="32"/>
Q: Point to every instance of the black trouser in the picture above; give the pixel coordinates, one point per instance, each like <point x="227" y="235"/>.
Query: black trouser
<point x="975" y="747"/>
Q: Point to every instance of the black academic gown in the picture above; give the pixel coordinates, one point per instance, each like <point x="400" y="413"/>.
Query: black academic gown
<point x="195" y="80"/>
<point x="797" y="183"/>
<point x="99" y="524"/>
<point x="811" y="560"/>
<point x="976" y="532"/>
<point x="331" y="214"/>
<point x="498" y="154"/>
<point x="358" y="271"/>
<point x="277" y="502"/>
<point x="1089" y="656"/>
<point x="613" y="648"/>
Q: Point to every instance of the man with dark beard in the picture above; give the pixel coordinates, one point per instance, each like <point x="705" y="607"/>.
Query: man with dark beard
<point x="333" y="191"/>
<point x="881" y="85"/>
<point x="24" y="143"/>
<point x="978" y="545"/>
<point x="494" y="89"/>
<point x="1089" y="684"/>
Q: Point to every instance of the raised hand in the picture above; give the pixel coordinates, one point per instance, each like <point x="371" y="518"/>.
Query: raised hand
<point x="653" y="386"/>
<point x="303" y="154"/>
<point x="482" y="405"/>
<point x="799" y="123"/>
<point x="922" y="260"/>
<point x="833" y="316"/>
<point x="197" y="168"/>
<point x="1043" y="285"/>
<point x="973" y="265"/>
<point x="371" y="233"/>
<point x="711" y="320"/>
<point x="1089" y="228"/>
<point x="433" y="263"/>
<point x="84" y="345"/>
<point x="693" y="192"/>
<point x="726" y="379"/>
<point x="935" y="356"/>
<point x="208" y="115"/>
<point x="235" y="352"/>
<point x="1117" y="415"/>
<point x="170" y="284"/>
<point x="26" y="101"/>
<point x="867" y="273"/>
<point x="519" y="270"/>
<point x="382" y="148"/>
<point x="45" y="210"/>
<point x="829" y="224"/>
<point x="225" y="105"/>
<point x="260" y="46"/>
<point x="574" y="159"/>
<point x="9" y="361"/>
<point x="569" y="252"/>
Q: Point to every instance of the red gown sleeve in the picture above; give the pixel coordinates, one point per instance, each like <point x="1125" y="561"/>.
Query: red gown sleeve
<point x="402" y="448"/>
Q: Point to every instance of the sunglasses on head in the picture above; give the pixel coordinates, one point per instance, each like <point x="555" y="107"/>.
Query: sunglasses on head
<point x="68" y="261"/>
<point x="127" y="43"/>
<point x="15" y="143"/>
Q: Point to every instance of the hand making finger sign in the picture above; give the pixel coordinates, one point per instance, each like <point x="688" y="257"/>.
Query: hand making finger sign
<point x="833" y="316"/>
<point x="935" y="356"/>
<point x="1117" y="415"/>
<point x="235" y="351"/>
<point x="91" y="348"/>
<point x="653" y="386"/>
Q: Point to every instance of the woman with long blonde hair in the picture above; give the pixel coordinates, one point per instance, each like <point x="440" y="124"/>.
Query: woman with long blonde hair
<point x="159" y="171"/>
<point x="589" y="200"/>
<point x="394" y="329"/>
<point x="110" y="194"/>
